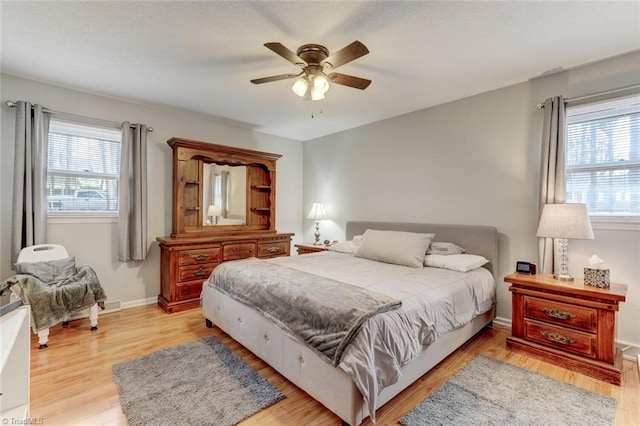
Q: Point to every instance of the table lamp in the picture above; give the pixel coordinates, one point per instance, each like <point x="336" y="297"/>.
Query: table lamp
<point x="317" y="213"/>
<point x="564" y="222"/>
<point x="214" y="211"/>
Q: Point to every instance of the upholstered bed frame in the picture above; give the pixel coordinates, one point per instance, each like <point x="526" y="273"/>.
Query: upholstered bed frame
<point x="332" y="386"/>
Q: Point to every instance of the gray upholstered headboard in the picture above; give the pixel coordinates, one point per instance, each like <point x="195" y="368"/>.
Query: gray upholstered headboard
<point x="475" y="239"/>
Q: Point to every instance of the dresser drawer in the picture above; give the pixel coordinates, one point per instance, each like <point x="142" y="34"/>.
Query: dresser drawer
<point x="561" y="338"/>
<point x="195" y="272"/>
<point x="578" y="317"/>
<point x="186" y="291"/>
<point x="238" y="251"/>
<point x="274" y="249"/>
<point x="190" y="257"/>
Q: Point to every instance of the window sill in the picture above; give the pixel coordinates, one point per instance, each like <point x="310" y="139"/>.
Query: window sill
<point x="615" y="224"/>
<point x="67" y="218"/>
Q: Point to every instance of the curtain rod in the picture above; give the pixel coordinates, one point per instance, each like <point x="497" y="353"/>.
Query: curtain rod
<point x="593" y="97"/>
<point x="12" y="104"/>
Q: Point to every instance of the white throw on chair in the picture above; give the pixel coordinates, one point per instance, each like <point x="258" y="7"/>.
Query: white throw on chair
<point x="44" y="253"/>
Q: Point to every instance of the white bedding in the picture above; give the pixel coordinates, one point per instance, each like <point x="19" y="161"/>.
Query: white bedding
<point x="434" y="302"/>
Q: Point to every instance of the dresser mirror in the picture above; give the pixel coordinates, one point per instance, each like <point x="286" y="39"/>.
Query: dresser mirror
<point x="224" y="193"/>
<point x="219" y="189"/>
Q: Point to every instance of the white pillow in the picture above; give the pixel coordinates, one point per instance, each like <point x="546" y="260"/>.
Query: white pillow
<point x="400" y="248"/>
<point x="343" y="247"/>
<point x="456" y="262"/>
<point x="444" y="248"/>
<point x="357" y="239"/>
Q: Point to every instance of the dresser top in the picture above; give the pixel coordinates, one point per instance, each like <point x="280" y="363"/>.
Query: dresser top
<point x="615" y="292"/>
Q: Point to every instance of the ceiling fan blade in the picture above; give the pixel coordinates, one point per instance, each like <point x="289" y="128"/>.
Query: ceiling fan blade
<point x="281" y="50"/>
<point x="346" y="54"/>
<point x="274" y="78"/>
<point x="349" y="80"/>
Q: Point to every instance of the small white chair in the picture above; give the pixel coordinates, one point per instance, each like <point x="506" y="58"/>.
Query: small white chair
<point x="43" y="253"/>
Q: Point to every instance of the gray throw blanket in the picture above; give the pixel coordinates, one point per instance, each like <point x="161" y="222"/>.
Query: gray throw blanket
<point x="54" y="302"/>
<point x="325" y="314"/>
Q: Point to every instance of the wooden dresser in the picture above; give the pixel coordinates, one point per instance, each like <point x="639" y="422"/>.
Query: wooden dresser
<point x="567" y="323"/>
<point x="187" y="262"/>
<point x="198" y="242"/>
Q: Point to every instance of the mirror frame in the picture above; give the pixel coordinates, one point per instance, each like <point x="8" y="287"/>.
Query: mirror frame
<point x="189" y="156"/>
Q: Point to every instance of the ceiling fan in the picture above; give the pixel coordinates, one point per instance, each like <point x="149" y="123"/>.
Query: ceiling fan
<point x="315" y="61"/>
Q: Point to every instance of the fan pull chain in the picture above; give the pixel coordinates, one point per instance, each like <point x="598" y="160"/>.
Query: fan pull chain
<point x="312" y="113"/>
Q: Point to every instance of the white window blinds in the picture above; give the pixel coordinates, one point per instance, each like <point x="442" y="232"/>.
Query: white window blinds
<point x="82" y="168"/>
<point x="603" y="157"/>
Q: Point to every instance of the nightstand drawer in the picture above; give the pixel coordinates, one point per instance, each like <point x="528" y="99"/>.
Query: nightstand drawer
<point x="190" y="257"/>
<point x="238" y="251"/>
<point x="195" y="272"/>
<point x="578" y="317"/>
<point x="273" y="249"/>
<point x="188" y="291"/>
<point x="561" y="338"/>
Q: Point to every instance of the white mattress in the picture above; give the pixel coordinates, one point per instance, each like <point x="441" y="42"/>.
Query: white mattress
<point x="434" y="302"/>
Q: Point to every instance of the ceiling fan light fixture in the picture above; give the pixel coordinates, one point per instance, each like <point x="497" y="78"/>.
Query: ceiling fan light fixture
<point x="312" y="82"/>
<point x="316" y="94"/>
<point x="321" y="82"/>
<point x="300" y="86"/>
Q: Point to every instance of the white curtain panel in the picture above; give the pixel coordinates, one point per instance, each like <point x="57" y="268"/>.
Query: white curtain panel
<point x="132" y="197"/>
<point x="552" y="173"/>
<point x="225" y="192"/>
<point x="29" y="214"/>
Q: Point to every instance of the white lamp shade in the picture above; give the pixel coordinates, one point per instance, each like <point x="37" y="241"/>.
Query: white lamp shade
<point x="320" y="82"/>
<point x="214" y="211"/>
<point x="300" y="86"/>
<point x="316" y="94"/>
<point x="317" y="212"/>
<point x="569" y="220"/>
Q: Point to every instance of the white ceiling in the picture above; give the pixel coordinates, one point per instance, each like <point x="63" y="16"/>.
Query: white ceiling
<point x="200" y="56"/>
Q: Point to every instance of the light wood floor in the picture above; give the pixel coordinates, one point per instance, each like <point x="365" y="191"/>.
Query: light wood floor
<point x="72" y="384"/>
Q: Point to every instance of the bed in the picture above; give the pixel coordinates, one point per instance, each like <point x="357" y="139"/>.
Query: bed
<point x="341" y="389"/>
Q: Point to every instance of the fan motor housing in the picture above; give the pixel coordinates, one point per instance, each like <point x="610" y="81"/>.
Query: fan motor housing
<point x="312" y="53"/>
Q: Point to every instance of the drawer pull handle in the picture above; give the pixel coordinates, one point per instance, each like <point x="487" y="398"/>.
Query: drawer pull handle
<point x="557" y="313"/>
<point x="200" y="272"/>
<point x="273" y="249"/>
<point x="557" y="338"/>
<point x="200" y="256"/>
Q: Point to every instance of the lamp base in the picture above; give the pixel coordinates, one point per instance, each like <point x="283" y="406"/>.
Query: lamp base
<point x="563" y="277"/>
<point x="317" y="234"/>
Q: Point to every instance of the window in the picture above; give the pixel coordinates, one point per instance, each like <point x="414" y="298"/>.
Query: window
<point x="603" y="157"/>
<point x="83" y="165"/>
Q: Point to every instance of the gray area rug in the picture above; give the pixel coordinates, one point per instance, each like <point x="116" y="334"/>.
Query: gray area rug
<point x="198" y="383"/>
<point x="491" y="392"/>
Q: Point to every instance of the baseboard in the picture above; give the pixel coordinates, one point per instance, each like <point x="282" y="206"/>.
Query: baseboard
<point x="140" y="302"/>
<point x="111" y="306"/>
<point x="630" y="351"/>
<point x="505" y="322"/>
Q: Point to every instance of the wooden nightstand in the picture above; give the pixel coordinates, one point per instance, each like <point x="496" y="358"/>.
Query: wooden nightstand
<point x="309" y="248"/>
<point x="567" y="323"/>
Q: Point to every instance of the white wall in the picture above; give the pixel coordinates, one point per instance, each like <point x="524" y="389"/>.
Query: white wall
<point x="472" y="161"/>
<point x="95" y="244"/>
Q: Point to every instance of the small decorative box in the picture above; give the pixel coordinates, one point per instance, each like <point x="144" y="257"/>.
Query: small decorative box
<point x="596" y="277"/>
